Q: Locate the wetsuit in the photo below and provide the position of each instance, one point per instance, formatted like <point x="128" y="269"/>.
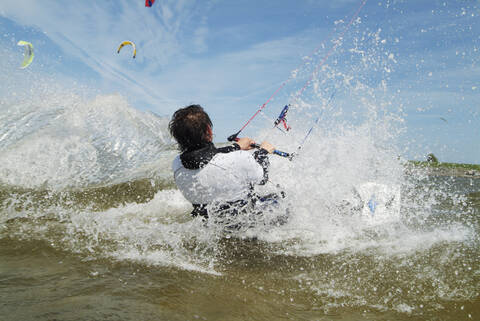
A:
<point x="220" y="177"/>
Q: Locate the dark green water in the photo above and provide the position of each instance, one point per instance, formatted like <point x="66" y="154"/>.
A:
<point x="58" y="266"/>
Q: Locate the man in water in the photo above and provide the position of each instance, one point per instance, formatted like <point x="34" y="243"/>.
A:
<point x="211" y="178"/>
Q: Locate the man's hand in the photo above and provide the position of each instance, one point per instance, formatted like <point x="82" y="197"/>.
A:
<point x="245" y="143"/>
<point x="268" y="147"/>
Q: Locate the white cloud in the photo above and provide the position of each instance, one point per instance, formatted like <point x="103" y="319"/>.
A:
<point x="168" y="38"/>
<point x="91" y="32"/>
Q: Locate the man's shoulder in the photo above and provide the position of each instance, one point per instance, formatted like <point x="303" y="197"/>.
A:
<point x="176" y="163"/>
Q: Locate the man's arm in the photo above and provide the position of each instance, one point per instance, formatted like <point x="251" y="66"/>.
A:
<point x="244" y="143"/>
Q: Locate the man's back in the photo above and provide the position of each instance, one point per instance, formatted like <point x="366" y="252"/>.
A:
<point x="226" y="177"/>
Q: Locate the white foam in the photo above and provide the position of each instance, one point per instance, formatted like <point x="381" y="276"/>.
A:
<point x="153" y="233"/>
<point x="66" y="141"/>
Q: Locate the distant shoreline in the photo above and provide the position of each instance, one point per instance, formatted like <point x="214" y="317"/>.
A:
<point x="448" y="169"/>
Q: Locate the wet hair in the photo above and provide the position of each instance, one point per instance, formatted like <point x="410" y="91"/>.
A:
<point x="189" y="126"/>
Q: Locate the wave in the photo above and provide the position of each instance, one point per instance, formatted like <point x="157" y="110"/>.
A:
<point x="62" y="141"/>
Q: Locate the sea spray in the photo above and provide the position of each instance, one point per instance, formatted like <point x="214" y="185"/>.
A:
<point x="64" y="141"/>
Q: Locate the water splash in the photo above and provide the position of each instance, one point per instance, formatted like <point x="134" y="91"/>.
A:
<point x="61" y="140"/>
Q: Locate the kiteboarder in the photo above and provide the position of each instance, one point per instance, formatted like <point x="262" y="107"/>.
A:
<point x="215" y="178"/>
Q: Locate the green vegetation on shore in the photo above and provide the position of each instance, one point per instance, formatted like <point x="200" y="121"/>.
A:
<point x="440" y="165"/>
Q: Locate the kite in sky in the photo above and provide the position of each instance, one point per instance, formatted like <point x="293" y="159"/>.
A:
<point x="128" y="43"/>
<point x="149" y="3"/>
<point x="282" y="118"/>
<point x="28" y="54"/>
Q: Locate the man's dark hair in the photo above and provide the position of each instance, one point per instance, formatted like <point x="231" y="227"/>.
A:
<point x="189" y="126"/>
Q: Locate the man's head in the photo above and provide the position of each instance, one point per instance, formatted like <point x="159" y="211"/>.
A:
<point x="191" y="127"/>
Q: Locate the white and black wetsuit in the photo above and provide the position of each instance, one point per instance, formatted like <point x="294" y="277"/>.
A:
<point x="222" y="176"/>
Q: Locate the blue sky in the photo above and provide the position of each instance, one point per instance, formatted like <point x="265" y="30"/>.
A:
<point x="231" y="56"/>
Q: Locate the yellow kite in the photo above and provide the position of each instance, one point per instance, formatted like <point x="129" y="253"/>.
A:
<point x="28" y="54"/>
<point x="128" y="43"/>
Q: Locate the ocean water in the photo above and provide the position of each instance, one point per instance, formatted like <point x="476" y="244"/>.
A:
<point x="92" y="228"/>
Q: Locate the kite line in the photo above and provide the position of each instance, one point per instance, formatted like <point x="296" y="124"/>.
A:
<point x="281" y="118"/>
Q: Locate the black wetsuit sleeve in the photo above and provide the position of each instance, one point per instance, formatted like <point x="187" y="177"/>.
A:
<point x="197" y="158"/>
<point x="228" y="149"/>
<point x="261" y="157"/>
